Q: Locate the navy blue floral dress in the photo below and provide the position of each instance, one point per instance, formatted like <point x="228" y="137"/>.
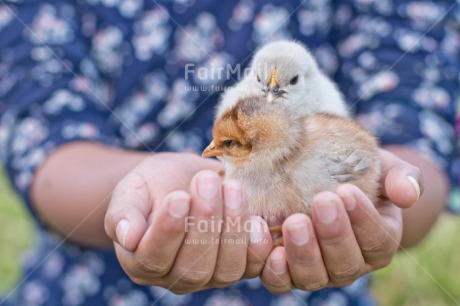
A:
<point x="114" y="72"/>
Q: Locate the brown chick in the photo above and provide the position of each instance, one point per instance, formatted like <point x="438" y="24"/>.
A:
<point x="283" y="160"/>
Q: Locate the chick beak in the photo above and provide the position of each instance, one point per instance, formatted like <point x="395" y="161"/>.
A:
<point x="273" y="89"/>
<point x="211" y="150"/>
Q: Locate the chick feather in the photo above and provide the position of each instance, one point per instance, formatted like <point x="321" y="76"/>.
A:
<point x="285" y="72"/>
<point x="283" y="160"/>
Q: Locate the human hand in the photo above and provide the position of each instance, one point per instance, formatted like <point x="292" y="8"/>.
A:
<point x="157" y="245"/>
<point x="347" y="235"/>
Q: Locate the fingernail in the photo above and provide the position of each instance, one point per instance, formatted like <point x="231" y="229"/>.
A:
<point x="350" y="202"/>
<point x="278" y="264"/>
<point x="122" y="231"/>
<point x="414" y="183"/>
<point x="298" y="233"/>
<point x="208" y="186"/>
<point x="257" y="230"/>
<point x="326" y="212"/>
<point x="232" y="195"/>
<point x="178" y="207"/>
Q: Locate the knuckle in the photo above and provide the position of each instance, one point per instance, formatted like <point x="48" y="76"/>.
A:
<point x="376" y="247"/>
<point x="253" y="271"/>
<point x="226" y="278"/>
<point x="280" y="288"/>
<point x="316" y="285"/>
<point x="195" y="279"/>
<point x="109" y="225"/>
<point x="343" y="283"/>
<point x="345" y="274"/>
<point x="180" y="290"/>
<point x="381" y="263"/>
<point x="335" y="238"/>
<point x="141" y="281"/>
<point x="172" y="227"/>
<point x="154" y="268"/>
<point x="208" y="213"/>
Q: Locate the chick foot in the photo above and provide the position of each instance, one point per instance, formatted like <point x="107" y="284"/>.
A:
<point x="351" y="167"/>
<point x="221" y="173"/>
<point x="277" y="235"/>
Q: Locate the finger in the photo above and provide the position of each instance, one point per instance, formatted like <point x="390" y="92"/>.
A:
<point x="231" y="260"/>
<point x="158" y="248"/>
<point x="303" y="253"/>
<point x="126" y="219"/>
<point x="402" y="182"/>
<point x="339" y="248"/>
<point x="260" y="246"/>
<point x="275" y="275"/>
<point x="160" y="245"/>
<point x="207" y="163"/>
<point x="196" y="260"/>
<point x="378" y="235"/>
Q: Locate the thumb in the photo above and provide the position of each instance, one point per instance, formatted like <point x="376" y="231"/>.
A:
<point x="402" y="182"/>
<point x="126" y="218"/>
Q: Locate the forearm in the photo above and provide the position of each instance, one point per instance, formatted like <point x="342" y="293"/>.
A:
<point x="72" y="189"/>
<point x="419" y="219"/>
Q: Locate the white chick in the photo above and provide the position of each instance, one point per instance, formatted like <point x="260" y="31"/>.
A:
<point x="285" y="72"/>
<point x="283" y="160"/>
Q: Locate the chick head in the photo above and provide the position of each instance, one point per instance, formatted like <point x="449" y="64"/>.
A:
<point x="282" y="68"/>
<point x="251" y="130"/>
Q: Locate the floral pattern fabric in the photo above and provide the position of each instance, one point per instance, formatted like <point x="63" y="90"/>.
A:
<point x="117" y="72"/>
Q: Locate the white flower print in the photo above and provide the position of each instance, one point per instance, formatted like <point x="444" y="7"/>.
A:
<point x="61" y="99"/>
<point x="184" y="142"/>
<point x="221" y="299"/>
<point x="28" y="133"/>
<point x="137" y="106"/>
<point x="437" y="130"/>
<point x="422" y="13"/>
<point x="242" y="13"/>
<point x="198" y="41"/>
<point x="179" y="104"/>
<point x="36" y="293"/>
<point x="314" y="16"/>
<point x="51" y="28"/>
<point x="295" y="298"/>
<point x="83" y="130"/>
<point x="431" y="97"/>
<point x="412" y="41"/>
<point x="107" y="45"/>
<point x="142" y="135"/>
<point x="5" y="16"/>
<point x="168" y="297"/>
<point x="127" y="8"/>
<point x="49" y="68"/>
<point x="271" y="24"/>
<point x="214" y="70"/>
<point x="53" y="265"/>
<point x="151" y="34"/>
<point x="355" y="43"/>
<point x="82" y="280"/>
<point x="133" y="297"/>
<point x="378" y="83"/>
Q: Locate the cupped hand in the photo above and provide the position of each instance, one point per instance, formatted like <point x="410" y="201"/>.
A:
<point x="175" y="224"/>
<point x="347" y="235"/>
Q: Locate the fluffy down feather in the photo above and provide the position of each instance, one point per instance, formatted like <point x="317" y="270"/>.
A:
<point x="283" y="160"/>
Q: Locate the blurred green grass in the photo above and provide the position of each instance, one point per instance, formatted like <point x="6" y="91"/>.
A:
<point x="16" y="234"/>
<point x="426" y="275"/>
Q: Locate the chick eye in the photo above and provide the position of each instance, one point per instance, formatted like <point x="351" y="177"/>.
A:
<point x="294" y="80"/>
<point x="229" y="143"/>
<point x="258" y="78"/>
